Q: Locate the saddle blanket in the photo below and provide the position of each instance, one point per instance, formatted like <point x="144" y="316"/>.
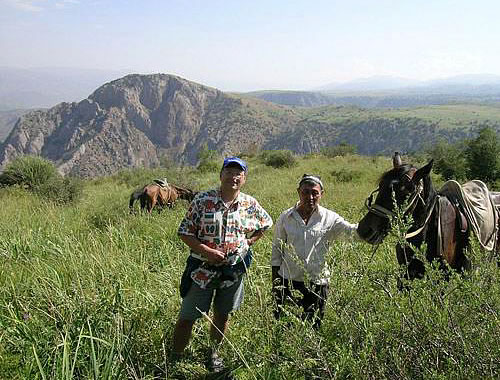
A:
<point x="474" y="198"/>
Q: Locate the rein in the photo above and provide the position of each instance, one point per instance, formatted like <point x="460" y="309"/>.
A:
<point x="412" y="202"/>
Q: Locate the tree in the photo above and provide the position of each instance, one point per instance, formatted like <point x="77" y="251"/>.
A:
<point x="482" y="156"/>
<point x="449" y="160"/>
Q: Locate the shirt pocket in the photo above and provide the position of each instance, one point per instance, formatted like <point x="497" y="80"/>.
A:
<point x="317" y="233"/>
<point x="210" y="224"/>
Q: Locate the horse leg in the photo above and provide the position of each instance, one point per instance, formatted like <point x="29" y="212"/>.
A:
<point x="131" y="204"/>
<point x="413" y="267"/>
<point x="143" y="200"/>
<point x="152" y="203"/>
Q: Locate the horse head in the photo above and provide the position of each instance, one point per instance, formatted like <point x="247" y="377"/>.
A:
<point x="402" y="186"/>
<point x="186" y="194"/>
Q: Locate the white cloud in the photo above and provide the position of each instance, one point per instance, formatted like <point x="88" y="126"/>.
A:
<point x="65" y="3"/>
<point x="37" y="5"/>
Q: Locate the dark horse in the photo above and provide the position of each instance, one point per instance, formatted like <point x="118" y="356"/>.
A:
<point x="436" y="220"/>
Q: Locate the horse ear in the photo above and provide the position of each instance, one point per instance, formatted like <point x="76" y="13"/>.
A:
<point x="424" y="171"/>
<point x="396" y="160"/>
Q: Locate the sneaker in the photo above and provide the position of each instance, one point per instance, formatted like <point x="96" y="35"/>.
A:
<point x="215" y="363"/>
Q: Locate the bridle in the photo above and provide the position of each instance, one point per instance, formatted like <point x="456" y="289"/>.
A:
<point x="414" y="198"/>
<point x="388" y="214"/>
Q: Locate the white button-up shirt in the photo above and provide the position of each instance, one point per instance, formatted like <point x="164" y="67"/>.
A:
<point x="299" y="248"/>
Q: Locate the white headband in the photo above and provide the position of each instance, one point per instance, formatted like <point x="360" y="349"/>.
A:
<point x="311" y="178"/>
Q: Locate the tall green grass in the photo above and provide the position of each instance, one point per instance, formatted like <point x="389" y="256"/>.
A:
<point x="89" y="291"/>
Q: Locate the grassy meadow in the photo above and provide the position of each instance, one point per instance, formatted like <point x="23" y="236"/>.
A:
<point x="88" y="291"/>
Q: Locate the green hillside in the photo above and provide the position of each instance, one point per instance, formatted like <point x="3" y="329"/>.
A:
<point x="90" y="291"/>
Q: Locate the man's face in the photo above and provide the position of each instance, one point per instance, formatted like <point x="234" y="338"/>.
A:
<point x="309" y="195"/>
<point x="232" y="178"/>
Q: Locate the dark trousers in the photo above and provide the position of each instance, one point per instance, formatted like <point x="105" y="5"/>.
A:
<point x="313" y="299"/>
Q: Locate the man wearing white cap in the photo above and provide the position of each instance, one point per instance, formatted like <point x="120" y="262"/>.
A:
<point x="219" y="228"/>
<point x="302" y="237"/>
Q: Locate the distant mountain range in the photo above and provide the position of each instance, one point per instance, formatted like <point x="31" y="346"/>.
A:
<point x="392" y="92"/>
<point x="46" y="87"/>
<point x="136" y="120"/>
<point x="470" y="82"/>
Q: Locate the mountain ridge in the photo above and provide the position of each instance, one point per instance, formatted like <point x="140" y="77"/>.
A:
<point x="137" y="120"/>
<point x="134" y="121"/>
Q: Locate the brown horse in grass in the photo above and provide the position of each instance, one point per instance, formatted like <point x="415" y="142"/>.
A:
<point x="437" y="221"/>
<point x="154" y="195"/>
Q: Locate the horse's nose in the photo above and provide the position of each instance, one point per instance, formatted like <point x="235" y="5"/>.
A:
<point x="367" y="233"/>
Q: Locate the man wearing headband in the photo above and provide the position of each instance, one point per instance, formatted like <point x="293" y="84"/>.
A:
<point x="219" y="228"/>
<point x="302" y="237"/>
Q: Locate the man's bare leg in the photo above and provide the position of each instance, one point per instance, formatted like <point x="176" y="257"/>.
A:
<point x="182" y="334"/>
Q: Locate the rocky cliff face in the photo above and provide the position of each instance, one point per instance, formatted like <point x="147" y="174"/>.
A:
<point x="134" y="121"/>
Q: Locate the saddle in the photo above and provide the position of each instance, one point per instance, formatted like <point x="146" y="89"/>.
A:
<point x="477" y="208"/>
<point x="162" y="182"/>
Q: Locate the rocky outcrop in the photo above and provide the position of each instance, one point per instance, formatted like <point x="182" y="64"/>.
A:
<point x="137" y="120"/>
<point x="134" y="121"/>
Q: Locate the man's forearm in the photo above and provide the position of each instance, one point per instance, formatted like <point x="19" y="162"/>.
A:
<point x="275" y="275"/>
<point x="256" y="236"/>
<point x="204" y="250"/>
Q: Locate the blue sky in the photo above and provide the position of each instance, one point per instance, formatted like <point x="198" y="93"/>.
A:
<point x="248" y="45"/>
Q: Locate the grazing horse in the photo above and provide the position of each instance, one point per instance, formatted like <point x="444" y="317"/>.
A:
<point x="437" y="221"/>
<point x="154" y="195"/>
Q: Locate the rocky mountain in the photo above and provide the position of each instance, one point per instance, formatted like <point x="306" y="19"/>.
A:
<point x="135" y="120"/>
<point x="7" y="121"/>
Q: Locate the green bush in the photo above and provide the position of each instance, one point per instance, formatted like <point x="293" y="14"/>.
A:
<point x="208" y="166"/>
<point x="40" y="176"/>
<point x="343" y="149"/>
<point x="482" y="156"/>
<point x="279" y="158"/>
<point x="29" y="172"/>
<point x="208" y="160"/>
<point x="345" y="175"/>
<point x="449" y="160"/>
<point x="61" y="190"/>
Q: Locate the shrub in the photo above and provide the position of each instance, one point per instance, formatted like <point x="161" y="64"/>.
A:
<point x="482" y="156"/>
<point x="208" y="160"/>
<point x="343" y="149"/>
<point x="40" y="176"/>
<point x="279" y="158"/>
<point x="61" y="190"/>
<point x="449" y="160"/>
<point x="208" y="166"/>
<point x="29" y="172"/>
<point x="344" y="175"/>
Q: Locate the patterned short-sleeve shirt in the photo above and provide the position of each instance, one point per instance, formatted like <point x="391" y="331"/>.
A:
<point x="222" y="227"/>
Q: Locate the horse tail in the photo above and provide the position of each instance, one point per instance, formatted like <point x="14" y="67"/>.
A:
<point x="133" y="197"/>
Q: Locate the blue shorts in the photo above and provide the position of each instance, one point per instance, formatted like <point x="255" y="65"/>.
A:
<point x="198" y="300"/>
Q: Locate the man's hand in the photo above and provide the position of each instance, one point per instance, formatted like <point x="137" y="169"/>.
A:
<point x="255" y="236"/>
<point x="214" y="256"/>
<point x="276" y="283"/>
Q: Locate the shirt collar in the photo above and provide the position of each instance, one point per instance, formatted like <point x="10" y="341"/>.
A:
<point x="318" y="210"/>
<point x="219" y="197"/>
